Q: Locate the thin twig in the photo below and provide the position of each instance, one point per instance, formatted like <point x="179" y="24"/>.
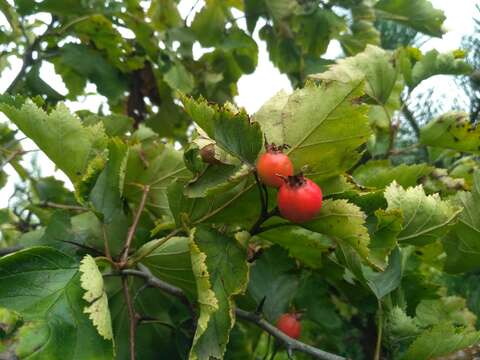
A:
<point x="290" y="344"/>
<point x="133" y="228"/>
<point x="63" y="206"/>
<point x="10" y="157"/>
<point x="132" y="315"/>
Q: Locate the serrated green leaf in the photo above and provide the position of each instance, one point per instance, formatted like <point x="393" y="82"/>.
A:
<point x="43" y="285"/>
<point x="221" y="272"/>
<point x="61" y="136"/>
<point x="399" y="325"/>
<point x="442" y="339"/>
<point x="426" y="218"/>
<point x="452" y="130"/>
<point x="231" y="129"/>
<point x="91" y="280"/>
<point x="419" y="14"/>
<point x="344" y="222"/>
<point x="380" y="173"/>
<point x="322" y="124"/>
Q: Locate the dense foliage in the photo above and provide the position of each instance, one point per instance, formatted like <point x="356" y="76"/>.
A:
<point x="170" y="247"/>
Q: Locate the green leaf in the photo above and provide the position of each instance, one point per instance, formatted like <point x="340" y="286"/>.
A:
<point x="419" y="14"/>
<point x="462" y="244"/>
<point x="374" y="65"/>
<point x="106" y="196"/>
<point x="343" y="222"/>
<point x="231" y="129"/>
<point x="442" y="339"/>
<point x="426" y="218"/>
<point x="281" y="9"/>
<point x="272" y="278"/>
<point x="451" y="309"/>
<point x="157" y="165"/>
<point x="114" y="124"/>
<point x="221" y="272"/>
<point x="171" y="263"/>
<point x="379" y="174"/>
<point x="302" y="244"/>
<point x="384" y="237"/>
<point x="452" y="130"/>
<point x="61" y="136"/>
<point x="91" y="280"/>
<point x="215" y="180"/>
<point x="434" y="63"/>
<point x="322" y="124"/>
<point x="43" y="285"/>
<point x="89" y="63"/>
<point x="209" y="24"/>
<point x="179" y="78"/>
<point x="164" y="14"/>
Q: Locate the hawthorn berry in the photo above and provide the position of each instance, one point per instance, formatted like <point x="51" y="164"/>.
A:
<point x="273" y="163"/>
<point x="289" y="324"/>
<point x="299" y="199"/>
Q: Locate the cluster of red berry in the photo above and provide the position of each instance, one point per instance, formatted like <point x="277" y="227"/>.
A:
<point x="299" y="199"/>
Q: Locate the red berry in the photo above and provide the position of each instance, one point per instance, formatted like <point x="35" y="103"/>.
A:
<point x="273" y="163"/>
<point x="299" y="199"/>
<point x="289" y="324"/>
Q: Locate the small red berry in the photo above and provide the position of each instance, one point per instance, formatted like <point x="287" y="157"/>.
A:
<point x="289" y="324"/>
<point x="299" y="199"/>
<point x="273" y="163"/>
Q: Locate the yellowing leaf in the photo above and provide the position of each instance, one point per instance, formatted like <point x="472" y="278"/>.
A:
<point x="91" y="281"/>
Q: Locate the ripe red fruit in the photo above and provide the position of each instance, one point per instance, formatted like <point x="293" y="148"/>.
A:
<point x="289" y="324"/>
<point x="273" y="163"/>
<point x="299" y="199"/>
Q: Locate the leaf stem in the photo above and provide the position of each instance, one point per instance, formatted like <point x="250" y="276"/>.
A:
<point x="378" y="346"/>
<point x="133" y="228"/>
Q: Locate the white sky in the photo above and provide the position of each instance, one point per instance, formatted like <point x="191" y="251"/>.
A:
<point x="254" y="89"/>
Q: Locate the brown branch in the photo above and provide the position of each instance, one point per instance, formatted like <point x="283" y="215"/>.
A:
<point x="289" y="343"/>
<point x="132" y="315"/>
<point x="133" y="228"/>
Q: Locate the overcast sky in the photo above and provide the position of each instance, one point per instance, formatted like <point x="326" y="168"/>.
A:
<point x="254" y="89"/>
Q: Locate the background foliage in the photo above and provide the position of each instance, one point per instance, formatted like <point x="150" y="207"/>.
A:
<point x="158" y="230"/>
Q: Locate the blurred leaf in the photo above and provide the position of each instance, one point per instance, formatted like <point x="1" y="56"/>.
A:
<point x="179" y="78"/>
<point x="442" y="339"/>
<point x="419" y="14"/>
<point x="462" y="244"/>
<point x="89" y="63"/>
<point x="452" y="130"/>
<point x="450" y="308"/>
<point x="379" y="174"/>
